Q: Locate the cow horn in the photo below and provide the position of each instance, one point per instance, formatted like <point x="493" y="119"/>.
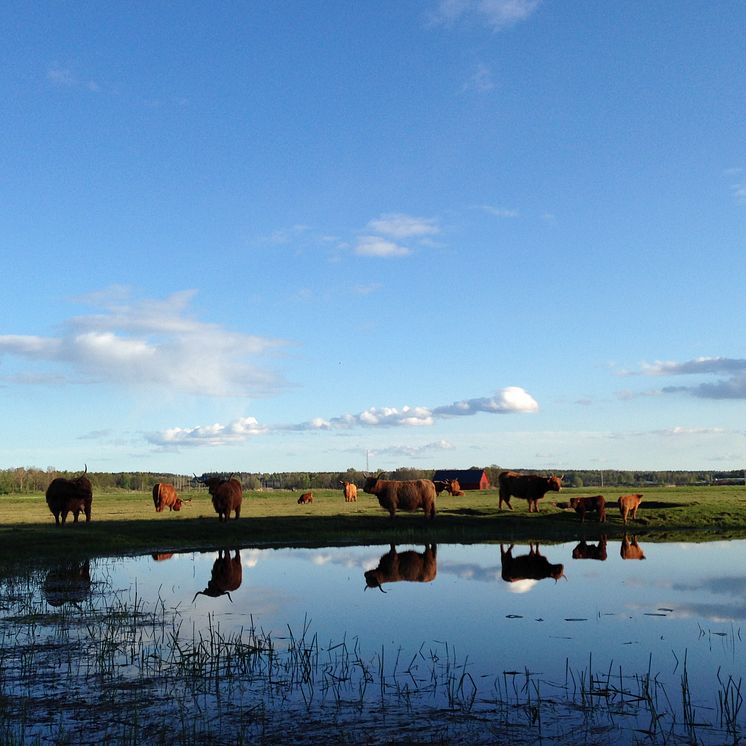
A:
<point x="85" y="471"/>
<point x="380" y="588"/>
<point x="198" y="593"/>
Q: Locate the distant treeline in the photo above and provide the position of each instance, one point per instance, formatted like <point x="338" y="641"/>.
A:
<point x="29" y="479"/>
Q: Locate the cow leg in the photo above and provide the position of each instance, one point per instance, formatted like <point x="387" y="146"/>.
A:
<point x="238" y="512"/>
<point x="57" y="518"/>
<point x="64" y="517"/>
<point x="75" y="516"/>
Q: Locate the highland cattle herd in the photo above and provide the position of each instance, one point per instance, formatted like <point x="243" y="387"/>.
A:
<point x="74" y="496"/>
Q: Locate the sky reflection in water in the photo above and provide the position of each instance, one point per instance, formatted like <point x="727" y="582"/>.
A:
<point x="681" y="600"/>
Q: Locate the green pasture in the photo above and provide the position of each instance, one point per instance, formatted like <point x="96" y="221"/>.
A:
<point x="125" y="522"/>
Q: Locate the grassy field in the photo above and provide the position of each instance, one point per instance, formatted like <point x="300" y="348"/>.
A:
<point x="126" y="522"/>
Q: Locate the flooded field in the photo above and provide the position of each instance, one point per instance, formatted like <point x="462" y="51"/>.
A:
<point x="575" y="643"/>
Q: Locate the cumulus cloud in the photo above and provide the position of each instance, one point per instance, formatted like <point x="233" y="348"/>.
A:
<point x="495" y="14"/>
<point x="512" y="399"/>
<point x="151" y="343"/>
<point x="731" y="385"/>
<point x="379" y="247"/>
<point x="382" y="237"/>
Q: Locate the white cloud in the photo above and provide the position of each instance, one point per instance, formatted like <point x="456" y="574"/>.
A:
<point x="733" y="386"/>
<point x="414" y="452"/>
<point x="499" y="212"/>
<point x="398" y="225"/>
<point x="508" y="400"/>
<point x="379" y="247"/>
<point x="495" y="14"/>
<point x="151" y="343"/>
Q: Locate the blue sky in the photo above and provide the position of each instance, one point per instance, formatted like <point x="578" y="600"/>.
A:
<point x="282" y="235"/>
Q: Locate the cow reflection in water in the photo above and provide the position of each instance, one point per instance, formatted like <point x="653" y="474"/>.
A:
<point x="68" y="584"/>
<point x="226" y="576"/>
<point x="418" y="567"/>
<point x="531" y="566"/>
<point x="160" y="556"/>
<point x="630" y="549"/>
<point x="590" y="551"/>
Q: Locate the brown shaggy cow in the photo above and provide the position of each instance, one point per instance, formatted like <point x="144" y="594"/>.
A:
<point x="530" y="487"/>
<point x="349" y="489"/>
<point x="70" y="496"/>
<point x="630" y="549"/>
<point x="226" y="576"/>
<point x="582" y="505"/>
<point x="531" y="566"/>
<point x="628" y="505"/>
<point x="409" y="495"/>
<point x="226" y="496"/>
<point x="417" y="567"/>
<point x="70" y="583"/>
<point x="306" y="497"/>
<point x="590" y="551"/>
<point x="455" y="488"/>
<point x="164" y="496"/>
<point x="161" y="556"/>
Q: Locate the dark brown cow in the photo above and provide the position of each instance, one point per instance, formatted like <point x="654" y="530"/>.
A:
<point x="349" y="489"/>
<point x="70" y="496"/>
<point x="417" y="567"/>
<point x="409" y="495"/>
<point x="306" y="497"/>
<point x="531" y="566"/>
<point x="530" y="487"/>
<point x="164" y="496"/>
<point x="630" y="549"/>
<point x="226" y="496"/>
<point x="70" y="583"/>
<point x="583" y="505"/>
<point x="590" y="551"/>
<point x="628" y="505"/>
<point x="440" y="485"/>
<point x="226" y="576"/>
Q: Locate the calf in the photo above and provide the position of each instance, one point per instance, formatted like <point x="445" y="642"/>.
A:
<point x="582" y="505"/>
<point x="349" y="490"/>
<point x="630" y="549"/>
<point x="305" y="498"/>
<point x="590" y="551"/>
<point x="628" y="505"/>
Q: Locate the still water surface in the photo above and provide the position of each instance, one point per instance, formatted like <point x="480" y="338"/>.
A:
<point x="551" y="615"/>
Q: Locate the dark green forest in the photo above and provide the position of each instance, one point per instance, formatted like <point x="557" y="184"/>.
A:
<point x="30" y="479"/>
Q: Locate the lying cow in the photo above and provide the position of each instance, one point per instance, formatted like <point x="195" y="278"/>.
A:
<point x="70" y="496"/>
<point x="454" y="487"/>
<point x="630" y="549"/>
<point x="305" y="498"/>
<point x="417" y="567"/>
<point x="530" y="487"/>
<point x="226" y="576"/>
<point x="164" y="496"/>
<point x="583" y="505"/>
<point x="590" y="551"/>
<point x="349" y="489"/>
<point x="531" y="566"/>
<point x="628" y="505"/>
<point x="408" y="495"/>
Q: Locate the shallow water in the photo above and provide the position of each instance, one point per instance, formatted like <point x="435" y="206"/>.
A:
<point x="478" y="616"/>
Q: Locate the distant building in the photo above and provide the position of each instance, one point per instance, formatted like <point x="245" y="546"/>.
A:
<point x="469" y="479"/>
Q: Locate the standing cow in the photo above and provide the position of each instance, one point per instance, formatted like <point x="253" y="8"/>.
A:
<point x="226" y="576"/>
<point x="226" y="496"/>
<point x="70" y="496"/>
<point x="408" y="495"/>
<point x="349" y="489"/>
<point x="628" y="505"/>
<point x="530" y="487"/>
<point x="531" y="566"/>
<point x="583" y="505"/>
<point x="418" y="567"/>
<point x="164" y="496"/>
<point x="630" y="549"/>
<point x="590" y="551"/>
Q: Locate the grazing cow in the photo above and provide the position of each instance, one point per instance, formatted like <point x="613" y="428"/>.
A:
<point x="226" y="496"/>
<point x="409" y="495"/>
<point x="70" y="496"/>
<point x="160" y="556"/>
<point x="306" y="497"/>
<point x="531" y="566"/>
<point x="628" y="505"/>
<point x="531" y="487"/>
<point x="70" y="583"/>
<point x="417" y="567"/>
<point x="226" y="576"/>
<point x="350" y="491"/>
<point x="582" y="505"/>
<point x="630" y="549"/>
<point x="164" y="496"/>
<point x="590" y="551"/>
